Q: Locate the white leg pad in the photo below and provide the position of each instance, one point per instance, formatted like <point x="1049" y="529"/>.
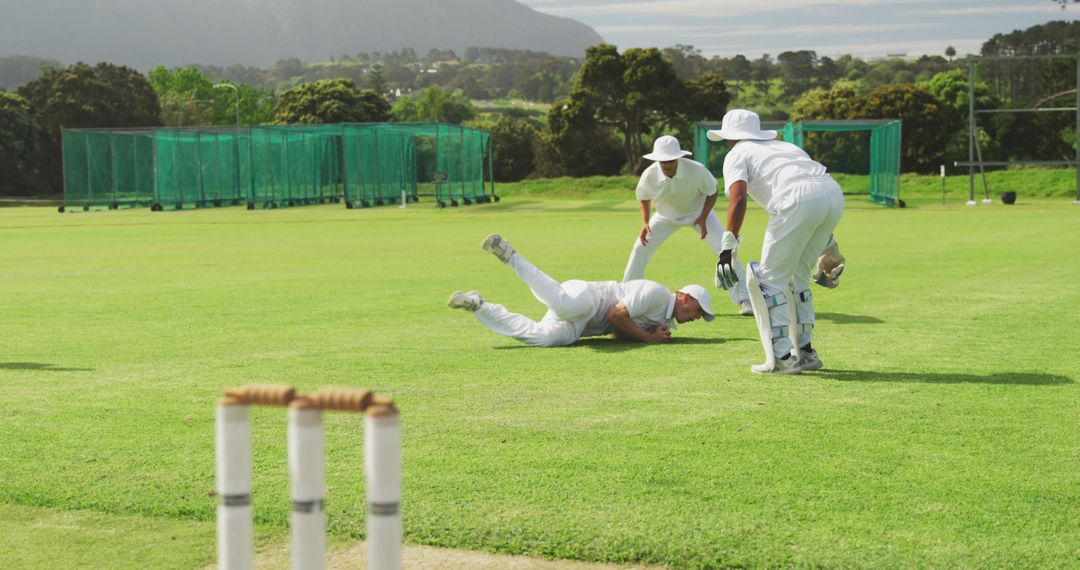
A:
<point x="761" y="315"/>
<point x="793" y="319"/>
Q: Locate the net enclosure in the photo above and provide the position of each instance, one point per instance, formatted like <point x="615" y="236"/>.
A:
<point x="868" y="147"/>
<point x="273" y="166"/>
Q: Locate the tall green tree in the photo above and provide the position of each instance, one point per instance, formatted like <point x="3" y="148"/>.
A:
<point x="81" y="96"/>
<point x="18" y="134"/>
<point x="922" y="114"/>
<point x="632" y="93"/>
<point x="513" y="141"/>
<point x="331" y="101"/>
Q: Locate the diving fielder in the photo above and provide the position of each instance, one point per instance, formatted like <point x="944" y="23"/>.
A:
<point x="804" y="206"/>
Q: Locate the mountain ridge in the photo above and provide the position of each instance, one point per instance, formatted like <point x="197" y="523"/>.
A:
<point x="147" y="33"/>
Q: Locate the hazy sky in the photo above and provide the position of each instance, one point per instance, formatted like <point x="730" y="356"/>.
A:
<point x="865" y="28"/>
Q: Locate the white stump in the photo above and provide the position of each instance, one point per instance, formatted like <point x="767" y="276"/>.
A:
<point x="382" y="466"/>
<point x="307" y="471"/>
<point x="236" y="547"/>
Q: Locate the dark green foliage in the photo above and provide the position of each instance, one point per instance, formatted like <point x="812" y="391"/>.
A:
<point x="18" y="133"/>
<point x="576" y="146"/>
<point x="81" y="96"/>
<point x="331" y="101"/>
<point x="632" y="93"/>
<point x="922" y="115"/>
<point x="434" y="105"/>
<point x="513" y="141"/>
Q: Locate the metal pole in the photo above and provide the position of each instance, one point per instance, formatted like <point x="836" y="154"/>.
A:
<point x="971" y="132"/>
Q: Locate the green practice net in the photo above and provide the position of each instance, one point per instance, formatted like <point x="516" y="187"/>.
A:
<point x="108" y="170"/>
<point x="276" y="166"/>
<point x="864" y="147"/>
<point x="388" y="162"/>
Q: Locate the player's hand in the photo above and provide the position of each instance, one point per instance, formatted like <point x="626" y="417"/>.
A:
<point x="726" y="277"/>
<point x="658" y="334"/>
<point x="644" y="232"/>
<point x="700" y="223"/>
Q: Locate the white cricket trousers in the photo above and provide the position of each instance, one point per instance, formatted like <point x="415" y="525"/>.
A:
<point x="570" y="306"/>
<point x="661" y="228"/>
<point x="794" y="239"/>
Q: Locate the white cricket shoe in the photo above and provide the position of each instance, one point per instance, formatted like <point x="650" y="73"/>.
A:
<point x="787" y="365"/>
<point x="808" y="360"/>
<point x="745" y="308"/>
<point x="499" y="247"/>
<point x="470" y="301"/>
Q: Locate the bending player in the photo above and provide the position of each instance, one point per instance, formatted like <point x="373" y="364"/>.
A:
<point x="804" y="205"/>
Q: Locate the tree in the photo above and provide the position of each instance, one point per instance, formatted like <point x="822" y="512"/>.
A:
<point x="331" y="101"/>
<point x="796" y="71"/>
<point x="950" y="52"/>
<point x="80" y="96"/>
<point x="951" y="88"/>
<point x="376" y="79"/>
<point x="575" y="145"/>
<point x="434" y="105"/>
<point x="632" y="93"/>
<point x="513" y="140"/>
<point x="922" y="114"/>
<point x="18" y="133"/>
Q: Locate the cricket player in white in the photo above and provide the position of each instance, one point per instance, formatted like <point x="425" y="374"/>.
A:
<point x="642" y="310"/>
<point x="804" y="205"/>
<point x="684" y="192"/>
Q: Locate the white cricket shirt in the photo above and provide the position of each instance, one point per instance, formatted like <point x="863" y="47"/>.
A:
<point x="648" y="303"/>
<point x="680" y="196"/>
<point x="768" y="167"/>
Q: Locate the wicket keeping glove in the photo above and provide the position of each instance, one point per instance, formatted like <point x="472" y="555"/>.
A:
<point x="725" y="267"/>
<point x="829" y="266"/>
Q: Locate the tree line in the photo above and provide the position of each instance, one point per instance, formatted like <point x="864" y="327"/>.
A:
<point x="604" y="111"/>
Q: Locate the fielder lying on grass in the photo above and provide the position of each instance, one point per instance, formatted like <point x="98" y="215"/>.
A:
<point x="640" y="309"/>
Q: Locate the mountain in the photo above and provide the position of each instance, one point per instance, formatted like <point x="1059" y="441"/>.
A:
<point x="146" y="33"/>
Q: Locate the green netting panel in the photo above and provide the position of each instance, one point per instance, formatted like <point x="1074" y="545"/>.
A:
<point x="383" y="161"/>
<point x="199" y="167"/>
<point x="292" y="166"/>
<point x="869" y="147"/>
<point x="111" y="169"/>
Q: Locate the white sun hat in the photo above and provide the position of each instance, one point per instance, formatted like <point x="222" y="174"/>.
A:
<point x="703" y="298"/>
<point x="666" y="148"/>
<point x="741" y="125"/>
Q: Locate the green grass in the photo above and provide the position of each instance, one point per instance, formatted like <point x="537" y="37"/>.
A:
<point x="943" y="433"/>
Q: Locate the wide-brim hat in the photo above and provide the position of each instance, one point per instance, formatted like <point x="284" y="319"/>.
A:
<point x="666" y="148"/>
<point x="703" y="298"/>
<point x="741" y="125"/>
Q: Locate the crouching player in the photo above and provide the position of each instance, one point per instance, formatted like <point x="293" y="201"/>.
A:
<point x="804" y="205"/>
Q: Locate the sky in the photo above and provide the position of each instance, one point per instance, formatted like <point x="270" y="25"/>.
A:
<point x="863" y="28"/>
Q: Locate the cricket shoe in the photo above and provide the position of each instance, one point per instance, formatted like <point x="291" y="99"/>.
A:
<point x="499" y="247"/>
<point x="808" y="360"/>
<point x="745" y="308"/>
<point x="786" y="365"/>
<point x="470" y="301"/>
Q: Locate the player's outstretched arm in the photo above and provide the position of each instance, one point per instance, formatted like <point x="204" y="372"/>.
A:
<point x="625" y="327"/>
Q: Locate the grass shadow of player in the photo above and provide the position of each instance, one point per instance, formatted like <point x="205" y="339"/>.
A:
<point x="39" y="366"/>
<point x="841" y="318"/>
<point x="1021" y="378"/>
<point x="607" y="344"/>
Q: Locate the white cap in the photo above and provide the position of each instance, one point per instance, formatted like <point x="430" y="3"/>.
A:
<point x="666" y="148"/>
<point x="741" y="125"/>
<point x="702" y="297"/>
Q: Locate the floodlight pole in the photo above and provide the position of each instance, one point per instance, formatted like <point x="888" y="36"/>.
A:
<point x="236" y="137"/>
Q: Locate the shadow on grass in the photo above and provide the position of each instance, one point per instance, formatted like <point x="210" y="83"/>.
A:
<point x="39" y="366"/>
<point x="841" y="318"/>
<point x="611" y="345"/>
<point x="1023" y="378"/>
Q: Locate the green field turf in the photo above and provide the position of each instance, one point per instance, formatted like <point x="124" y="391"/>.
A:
<point x="944" y="431"/>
